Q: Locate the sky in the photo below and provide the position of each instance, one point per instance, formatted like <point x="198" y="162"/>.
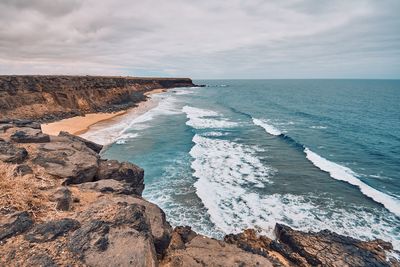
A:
<point x="208" y="39"/>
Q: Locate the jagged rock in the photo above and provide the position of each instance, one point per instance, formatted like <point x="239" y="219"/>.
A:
<point x="41" y="260"/>
<point x="30" y="135"/>
<point x="122" y="171"/>
<point x="63" y="197"/>
<point x="14" y="224"/>
<point x="72" y="161"/>
<point x="326" y="248"/>
<point x="109" y="186"/>
<point x="93" y="146"/>
<point x="204" y="251"/>
<point x="51" y="230"/>
<point x="114" y="228"/>
<point x="249" y="240"/>
<point x="159" y="228"/>
<point x="23" y="170"/>
<point x="12" y="154"/>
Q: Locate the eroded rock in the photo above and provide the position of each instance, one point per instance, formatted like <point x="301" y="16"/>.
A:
<point x="11" y="154"/>
<point x="49" y="231"/>
<point x="63" y="198"/>
<point x="122" y="171"/>
<point x="14" y="224"/>
<point x="204" y="251"/>
<point x="29" y="135"/>
<point x="93" y="146"/>
<point x="72" y="161"/>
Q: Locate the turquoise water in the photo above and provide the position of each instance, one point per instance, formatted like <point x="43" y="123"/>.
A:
<point x="313" y="154"/>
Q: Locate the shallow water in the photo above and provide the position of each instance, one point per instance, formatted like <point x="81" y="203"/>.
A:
<point x="313" y="154"/>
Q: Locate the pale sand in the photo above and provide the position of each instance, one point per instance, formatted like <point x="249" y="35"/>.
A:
<point x="80" y="124"/>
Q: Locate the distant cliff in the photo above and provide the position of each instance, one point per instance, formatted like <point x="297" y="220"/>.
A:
<point x="54" y="97"/>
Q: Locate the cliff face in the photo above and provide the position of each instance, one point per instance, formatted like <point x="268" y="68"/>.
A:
<point x="55" y="97"/>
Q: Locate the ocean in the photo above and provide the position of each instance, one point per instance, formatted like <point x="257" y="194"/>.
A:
<point x="312" y="154"/>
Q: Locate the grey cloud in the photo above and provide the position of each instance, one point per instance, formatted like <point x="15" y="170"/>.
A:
<point x="202" y="39"/>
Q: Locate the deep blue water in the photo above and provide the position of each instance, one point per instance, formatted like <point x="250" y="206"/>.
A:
<point x="313" y="154"/>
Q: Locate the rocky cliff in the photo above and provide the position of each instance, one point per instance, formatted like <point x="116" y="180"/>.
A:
<point x="54" y="97"/>
<point x="62" y="205"/>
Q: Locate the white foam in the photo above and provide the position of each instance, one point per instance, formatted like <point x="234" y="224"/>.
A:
<point x="318" y="127"/>
<point x="228" y="175"/>
<point x="125" y="137"/>
<point x="342" y="173"/>
<point x="267" y="127"/>
<point x="108" y="133"/>
<point x="203" y="119"/>
<point x="220" y="165"/>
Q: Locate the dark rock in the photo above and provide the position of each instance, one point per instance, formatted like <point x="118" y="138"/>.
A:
<point x="63" y="197"/>
<point x="41" y="260"/>
<point x="249" y="241"/>
<point x="15" y="224"/>
<point x="72" y="161"/>
<point x="11" y="154"/>
<point x="124" y="171"/>
<point x="93" y="146"/>
<point x="6" y="121"/>
<point x="186" y="233"/>
<point x="49" y="231"/>
<point x="27" y="123"/>
<point x="23" y="170"/>
<point x="330" y="249"/>
<point x="30" y="135"/>
<point x="109" y="186"/>
<point x="91" y="235"/>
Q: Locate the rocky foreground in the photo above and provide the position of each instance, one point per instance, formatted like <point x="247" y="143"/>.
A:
<point x="62" y="205"/>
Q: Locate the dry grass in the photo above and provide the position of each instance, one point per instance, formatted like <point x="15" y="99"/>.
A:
<point x="22" y="193"/>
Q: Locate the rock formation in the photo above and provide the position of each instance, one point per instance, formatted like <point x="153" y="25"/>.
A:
<point x="62" y="205"/>
<point x="54" y="97"/>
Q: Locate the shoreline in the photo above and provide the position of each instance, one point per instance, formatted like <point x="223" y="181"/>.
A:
<point x="79" y="125"/>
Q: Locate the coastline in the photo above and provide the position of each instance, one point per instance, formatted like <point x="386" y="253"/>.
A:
<point x="79" y="125"/>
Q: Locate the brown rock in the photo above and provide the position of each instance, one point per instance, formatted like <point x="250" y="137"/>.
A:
<point x="14" y="224"/>
<point x="326" y="248"/>
<point x="204" y="251"/>
<point x="11" y="154"/>
<point x="72" y="161"/>
<point x="122" y="171"/>
<point x="29" y="135"/>
<point x="63" y="197"/>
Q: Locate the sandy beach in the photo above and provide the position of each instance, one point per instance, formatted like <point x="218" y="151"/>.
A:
<point x="81" y="124"/>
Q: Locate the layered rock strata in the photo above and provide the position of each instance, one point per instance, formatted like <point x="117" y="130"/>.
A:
<point x="54" y="97"/>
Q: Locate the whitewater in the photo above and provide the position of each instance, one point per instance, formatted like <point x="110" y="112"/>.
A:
<point x="222" y="161"/>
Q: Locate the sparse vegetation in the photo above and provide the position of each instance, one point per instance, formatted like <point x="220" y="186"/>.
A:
<point x="21" y="193"/>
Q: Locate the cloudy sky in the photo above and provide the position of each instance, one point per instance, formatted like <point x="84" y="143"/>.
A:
<point x="202" y="39"/>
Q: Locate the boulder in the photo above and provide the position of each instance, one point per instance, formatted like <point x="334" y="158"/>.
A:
<point x="11" y="154"/>
<point x="204" y="251"/>
<point x="326" y="248"/>
<point x="113" y="228"/>
<point x="109" y="186"/>
<point x="51" y="230"/>
<point x="14" y="224"/>
<point x="71" y="161"/>
<point x="93" y="146"/>
<point x="29" y="135"/>
<point x="63" y="198"/>
<point x="122" y="171"/>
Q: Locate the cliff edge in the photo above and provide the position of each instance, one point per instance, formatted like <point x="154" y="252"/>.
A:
<point x="49" y="98"/>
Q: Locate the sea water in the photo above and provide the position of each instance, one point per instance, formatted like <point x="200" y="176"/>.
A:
<point x="312" y="154"/>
